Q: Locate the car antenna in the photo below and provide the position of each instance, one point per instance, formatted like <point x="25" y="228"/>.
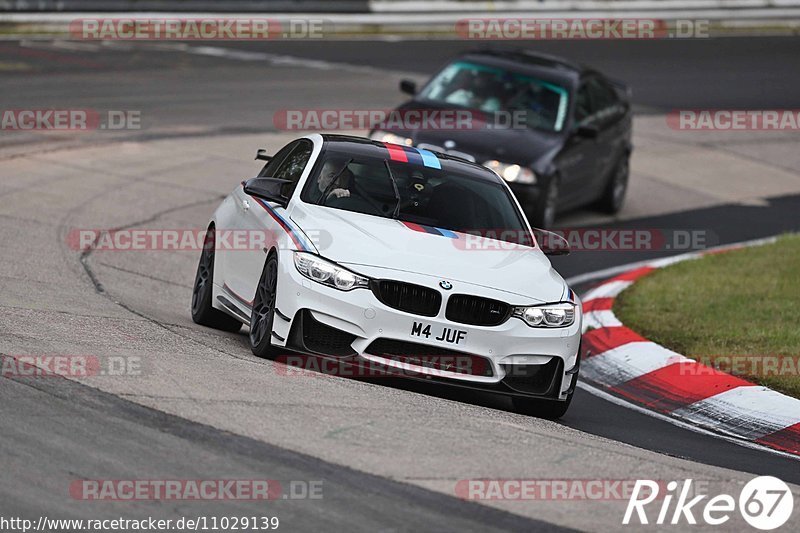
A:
<point x="396" y="212"/>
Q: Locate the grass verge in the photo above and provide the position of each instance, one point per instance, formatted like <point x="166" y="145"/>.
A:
<point x="737" y="311"/>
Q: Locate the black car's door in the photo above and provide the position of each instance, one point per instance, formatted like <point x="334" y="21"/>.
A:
<point x="578" y="159"/>
<point x="611" y="119"/>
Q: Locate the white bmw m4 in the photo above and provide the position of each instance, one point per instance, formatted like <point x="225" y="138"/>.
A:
<point x="373" y="253"/>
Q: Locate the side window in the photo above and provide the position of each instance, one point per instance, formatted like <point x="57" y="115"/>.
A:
<point x="605" y="101"/>
<point x="291" y="168"/>
<point x="583" y="104"/>
<point x="272" y="166"/>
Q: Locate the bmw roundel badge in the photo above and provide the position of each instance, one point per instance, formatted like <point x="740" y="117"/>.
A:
<point x="446" y="285"/>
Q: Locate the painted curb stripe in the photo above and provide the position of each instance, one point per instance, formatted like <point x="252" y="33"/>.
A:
<point x="786" y="440"/>
<point x="601" y="340"/>
<point x="608" y="290"/>
<point x="629" y="361"/>
<point x="678" y="385"/>
<point x="634" y="274"/>
<point x="748" y="412"/>
<point x="664" y="381"/>
<point x="600" y="319"/>
<point x="598" y="304"/>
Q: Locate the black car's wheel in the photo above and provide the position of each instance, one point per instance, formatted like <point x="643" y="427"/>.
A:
<point x="202" y="311"/>
<point x="614" y="194"/>
<point x="264" y="310"/>
<point x="549" y="409"/>
<point x="545" y="214"/>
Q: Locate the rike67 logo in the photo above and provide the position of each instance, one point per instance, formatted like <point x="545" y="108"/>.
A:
<point x="766" y="503"/>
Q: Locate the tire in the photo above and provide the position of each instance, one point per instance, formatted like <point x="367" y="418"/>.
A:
<point x="202" y="311"/>
<point x="545" y="214"/>
<point x="549" y="409"/>
<point x="263" y="314"/>
<point x="614" y="194"/>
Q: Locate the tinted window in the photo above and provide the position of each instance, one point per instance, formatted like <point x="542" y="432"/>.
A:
<point x="583" y="104"/>
<point x="495" y="90"/>
<point x="603" y="96"/>
<point x="291" y="168"/>
<point x="271" y="167"/>
<point x="452" y="197"/>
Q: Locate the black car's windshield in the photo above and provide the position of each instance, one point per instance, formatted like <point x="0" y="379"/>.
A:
<point x="454" y="197"/>
<point x="541" y="105"/>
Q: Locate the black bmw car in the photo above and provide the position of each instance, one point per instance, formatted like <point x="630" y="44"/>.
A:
<point x="557" y="132"/>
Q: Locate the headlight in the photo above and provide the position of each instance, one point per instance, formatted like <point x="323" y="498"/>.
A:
<point x="558" y="315"/>
<point x="322" y="271"/>
<point x="511" y="173"/>
<point x="387" y="137"/>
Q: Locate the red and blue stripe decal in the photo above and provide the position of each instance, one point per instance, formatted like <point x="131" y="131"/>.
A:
<point x="430" y="229"/>
<point x="411" y="155"/>
<point x="300" y="240"/>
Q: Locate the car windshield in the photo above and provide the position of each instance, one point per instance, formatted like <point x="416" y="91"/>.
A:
<point x="454" y="197"/>
<point x="540" y="104"/>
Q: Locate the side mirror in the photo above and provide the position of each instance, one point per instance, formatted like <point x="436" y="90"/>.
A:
<point x="587" y="131"/>
<point x="551" y="243"/>
<point x="268" y="189"/>
<point x="261" y="155"/>
<point x="408" y="87"/>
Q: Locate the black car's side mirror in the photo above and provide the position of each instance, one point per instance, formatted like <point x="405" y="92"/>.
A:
<point x="408" y="87"/>
<point x="268" y="189"/>
<point x="587" y="131"/>
<point x="261" y="155"/>
<point x="551" y="243"/>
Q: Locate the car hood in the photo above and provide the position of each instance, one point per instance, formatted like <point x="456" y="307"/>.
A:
<point x="355" y="239"/>
<point x="524" y="146"/>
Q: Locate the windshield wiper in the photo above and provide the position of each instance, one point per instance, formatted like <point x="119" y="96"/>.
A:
<point x="396" y="212"/>
<point x="328" y="189"/>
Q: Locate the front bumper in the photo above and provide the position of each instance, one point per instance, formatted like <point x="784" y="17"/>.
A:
<point x="511" y="358"/>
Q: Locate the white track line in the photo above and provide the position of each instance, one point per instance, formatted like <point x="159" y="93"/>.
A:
<point x="664" y="418"/>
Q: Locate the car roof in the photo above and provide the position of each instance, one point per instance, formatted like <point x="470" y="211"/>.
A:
<point x="371" y="148"/>
<point x="548" y="67"/>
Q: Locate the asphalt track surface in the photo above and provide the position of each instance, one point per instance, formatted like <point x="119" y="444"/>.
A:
<point x="59" y="431"/>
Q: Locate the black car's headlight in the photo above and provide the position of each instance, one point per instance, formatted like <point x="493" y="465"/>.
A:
<point x="512" y="173"/>
<point x="558" y="315"/>
<point x="328" y="273"/>
<point x="392" y="138"/>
